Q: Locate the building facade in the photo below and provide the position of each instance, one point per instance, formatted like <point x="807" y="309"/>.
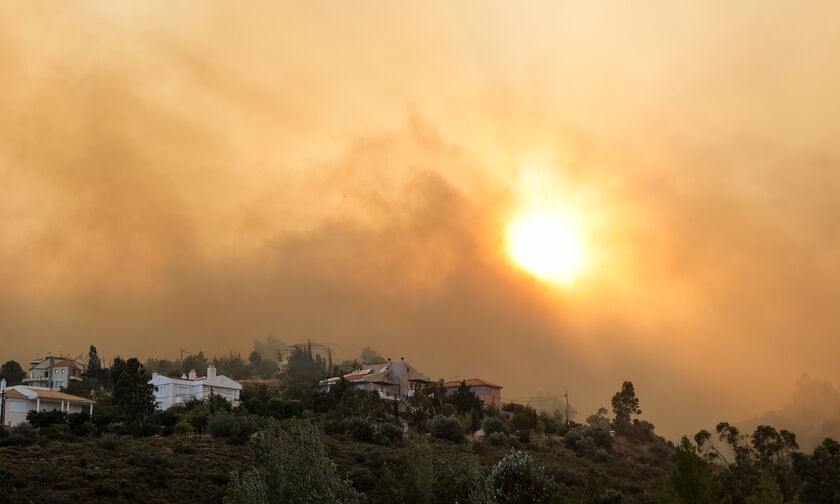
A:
<point x="489" y="393"/>
<point x="171" y="391"/>
<point x="393" y="381"/>
<point x="53" y="373"/>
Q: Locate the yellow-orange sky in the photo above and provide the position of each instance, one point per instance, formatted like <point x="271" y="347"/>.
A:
<point x="196" y="175"/>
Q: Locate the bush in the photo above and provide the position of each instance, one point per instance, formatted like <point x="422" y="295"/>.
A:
<point x="498" y="439"/>
<point x="184" y="447"/>
<point x="80" y="424"/>
<point x="494" y="424"/>
<point x="363" y="479"/>
<point x="602" y="438"/>
<point x="108" y="442"/>
<point x="361" y="430"/>
<point x="274" y="408"/>
<point x="183" y="428"/>
<point x="573" y="436"/>
<point x="601" y="455"/>
<point x="197" y="415"/>
<point x="22" y="434"/>
<point x="518" y="478"/>
<point x="447" y="427"/>
<point x="290" y="467"/>
<point x="391" y="432"/>
<point x="41" y="419"/>
<point x="225" y="424"/>
<point x="457" y="479"/>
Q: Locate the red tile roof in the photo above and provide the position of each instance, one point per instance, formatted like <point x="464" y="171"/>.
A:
<point x="67" y="363"/>
<point x="472" y="382"/>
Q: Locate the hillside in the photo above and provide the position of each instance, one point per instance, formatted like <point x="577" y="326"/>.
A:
<point x="195" y="469"/>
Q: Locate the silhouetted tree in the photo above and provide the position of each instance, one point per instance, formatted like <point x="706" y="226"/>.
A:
<point x="133" y="395"/>
<point x="12" y="373"/>
<point x="94" y="365"/>
<point x="693" y="479"/>
<point x="465" y="400"/>
<point x="624" y="405"/>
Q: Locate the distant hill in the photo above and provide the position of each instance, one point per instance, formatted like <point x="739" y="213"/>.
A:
<point x="813" y="413"/>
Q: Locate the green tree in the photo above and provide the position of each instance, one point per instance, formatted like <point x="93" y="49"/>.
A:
<point x="767" y="491"/>
<point x="624" y="405"/>
<point x="411" y="480"/>
<point x="693" y="478"/>
<point x="197" y="362"/>
<point x="820" y="472"/>
<point x="518" y="479"/>
<point x="255" y="359"/>
<point x="599" y="420"/>
<point x="290" y="468"/>
<point x="12" y="373"/>
<point x="133" y="394"/>
<point x="465" y="400"/>
<point x="94" y="365"/>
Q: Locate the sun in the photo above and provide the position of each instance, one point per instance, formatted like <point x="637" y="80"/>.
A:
<point x="548" y="245"/>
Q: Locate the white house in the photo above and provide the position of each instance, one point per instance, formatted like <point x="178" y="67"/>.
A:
<point x="21" y="399"/>
<point x="172" y="391"/>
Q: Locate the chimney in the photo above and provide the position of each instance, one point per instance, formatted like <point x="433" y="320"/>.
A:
<point x="2" y="385"/>
<point x="154" y="375"/>
<point x="211" y="371"/>
<point x="193" y="376"/>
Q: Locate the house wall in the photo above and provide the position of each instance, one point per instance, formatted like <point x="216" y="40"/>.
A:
<point x="489" y="395"/>
<point x="175" y="392"/>
<point x="16" y="409"/>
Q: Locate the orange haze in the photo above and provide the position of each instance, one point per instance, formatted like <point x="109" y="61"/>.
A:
<point x="197" y="175"/>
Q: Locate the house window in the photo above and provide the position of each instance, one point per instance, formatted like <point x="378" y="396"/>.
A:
<point x="63" y="370"/>
<point x="17" y="407"/>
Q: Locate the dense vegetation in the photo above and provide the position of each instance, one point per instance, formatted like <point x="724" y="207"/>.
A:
<point x="292" y="441"/>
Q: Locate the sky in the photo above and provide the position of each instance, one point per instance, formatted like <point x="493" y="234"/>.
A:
<point x="196" y="175"/>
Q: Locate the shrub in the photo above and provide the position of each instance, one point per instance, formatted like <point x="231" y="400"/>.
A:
<point x="391" y="432"/>
<point x="457" y="479"/>
<point x="334" y="426"/>
<point x="494" y="424"/>
<point x="183" y="428"/>
<point x="363" y="479"/>
<point x="184" y="447"/>
<point x="585" y="446"/>
<point x="108" y="442"/>
<point x="361" y="430"/>
<point x="601" y="455"/>
<point x="447" y="427"/>
<point x="291" y="467"/>
<point x="498" y="439"/>
<point x="573" y="436"/>
<point x="22" y="434"/>
<point x="274" y="408"/>
<point x="197" y="415"/>
<point x="602" y="438"/>
<point x="225" y="424"/>
<point x="40" y="419"/>
<point x="80" y="424"/>
<point x="518" y="478"/>
<point x="55" y="432"/>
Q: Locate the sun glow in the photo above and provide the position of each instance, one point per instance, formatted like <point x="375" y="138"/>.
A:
<point x="548" y="245"/>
